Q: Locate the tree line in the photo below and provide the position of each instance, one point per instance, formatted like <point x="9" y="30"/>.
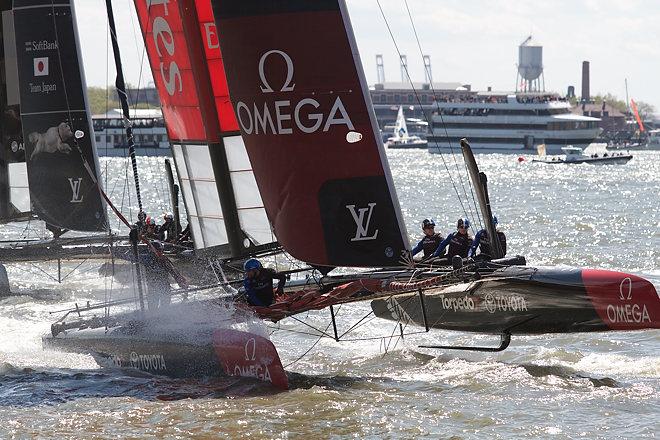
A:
<point x="102" y="99"/>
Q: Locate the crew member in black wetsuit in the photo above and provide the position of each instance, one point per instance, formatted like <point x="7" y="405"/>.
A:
<point x="459" y="241"/>
<point x="258" y="283"/>
<point x="482" y="241"/>
<point x="157" y="276"/>
<point x="430" y="242"/>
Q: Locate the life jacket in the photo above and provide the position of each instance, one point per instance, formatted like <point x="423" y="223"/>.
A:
<point x="459" y="245"/>
<point x="261" y="287"/>
<point x="431" y="243"/>
<point x="484" y="243"/>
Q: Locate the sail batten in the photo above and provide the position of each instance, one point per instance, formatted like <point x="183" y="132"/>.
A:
<point x="302" y="103"/>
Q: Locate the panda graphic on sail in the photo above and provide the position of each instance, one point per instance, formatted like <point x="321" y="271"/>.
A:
<point x="401" y="138"/>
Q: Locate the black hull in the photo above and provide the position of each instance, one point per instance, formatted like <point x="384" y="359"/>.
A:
<point x="526" y="301"/>
<point x="182" y="340"/>
<point x="119" y="348"/>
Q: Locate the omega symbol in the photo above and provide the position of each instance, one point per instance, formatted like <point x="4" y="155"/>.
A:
<point x="250" y="356"/>
<point x="625" y="289"/>
<point x="265" y="86"/>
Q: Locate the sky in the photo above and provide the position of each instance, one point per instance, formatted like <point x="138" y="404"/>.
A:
<point x="470" y="41"/>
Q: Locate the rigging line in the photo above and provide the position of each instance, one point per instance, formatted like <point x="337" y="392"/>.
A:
<point x="359" y="323"/>
<point x="123" y="98"/>
<point x="323" y="333"/>
<point x="107" y="99"/>
<point x="315" y="342"/>
<point x="419" y="102"/>
<point x="43" y="271"/>
<point x="442" y="121"/>
<point x="74" y="269"/>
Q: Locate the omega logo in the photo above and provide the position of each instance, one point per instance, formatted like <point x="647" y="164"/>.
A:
<point x="284" y="117"/>
<point x="625" y="289"/>
<point x="250" y="346"/>
<point x="287" y="87"/>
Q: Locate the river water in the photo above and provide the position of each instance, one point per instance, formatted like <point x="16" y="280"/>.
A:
<point x="601" y="385"/>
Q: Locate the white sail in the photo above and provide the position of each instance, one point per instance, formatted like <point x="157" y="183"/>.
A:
<point x="400" y="129"/>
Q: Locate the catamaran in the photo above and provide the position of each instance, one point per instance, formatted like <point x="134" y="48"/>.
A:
<point x="280" y="143"/>
<point x="401" y="138"/>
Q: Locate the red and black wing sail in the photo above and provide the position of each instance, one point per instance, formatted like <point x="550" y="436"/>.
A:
<point x="225" y="210"/>
<point x="302" y="103"/>
<point x="53" y="107"/>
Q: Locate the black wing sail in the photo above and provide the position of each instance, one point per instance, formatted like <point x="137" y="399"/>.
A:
<point x="53" y="107"/>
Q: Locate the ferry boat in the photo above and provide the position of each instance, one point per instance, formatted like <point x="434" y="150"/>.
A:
<point x="509" y="122"/>
<point x="149" y="133"/>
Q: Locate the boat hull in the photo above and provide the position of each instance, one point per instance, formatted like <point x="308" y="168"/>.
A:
<point x="175" y="343"/>
<point x="617" y="159"/>
<point x="527" y="300"/>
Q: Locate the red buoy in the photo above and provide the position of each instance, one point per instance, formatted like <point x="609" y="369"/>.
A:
<point x="521" y="159"/>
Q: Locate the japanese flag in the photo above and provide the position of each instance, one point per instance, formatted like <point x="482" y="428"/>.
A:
<point x="41" y="66"/>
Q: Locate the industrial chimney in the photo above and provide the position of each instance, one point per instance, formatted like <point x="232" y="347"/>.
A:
<point x="586" y="96"/>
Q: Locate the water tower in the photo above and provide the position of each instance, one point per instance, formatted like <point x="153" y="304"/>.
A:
<point x="530" y="67"/>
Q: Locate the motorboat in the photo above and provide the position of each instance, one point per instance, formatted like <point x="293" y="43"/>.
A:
<point x="575" y="155"/>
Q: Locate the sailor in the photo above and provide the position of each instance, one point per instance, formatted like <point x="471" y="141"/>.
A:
<point x="430" y="241"/>
<point x="258" y="283"/>
<point x="167" y="232"/>
<point x="482" y="241"/>
<point x="459" y="241"/>
<point x="184" y="236"/>
<point x="142" y="221"/>
<point x="150" y="230"/>
<point x="157" y="277"/>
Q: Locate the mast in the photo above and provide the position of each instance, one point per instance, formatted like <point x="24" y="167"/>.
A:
<point x="174" y="195"/>
<point x="479" y="181"/>
<point x="123" y="99"/>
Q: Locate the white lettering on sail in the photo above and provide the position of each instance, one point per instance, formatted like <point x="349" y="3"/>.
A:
<point x="164" y="39"/>
<point x="287" y="87"/>
<point x="283" y="117"/>
<point x="211" y="36"/>
<point x="316" y="117"/>
<point x="338" y="107"/>
<point x="362" y="230"/>
<point x="75" y="189"/>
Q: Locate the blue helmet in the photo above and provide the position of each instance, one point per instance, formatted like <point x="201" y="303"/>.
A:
<point x="251" y="264"/>
<point x="495" y="220"/>
<point x="463" y="222"/>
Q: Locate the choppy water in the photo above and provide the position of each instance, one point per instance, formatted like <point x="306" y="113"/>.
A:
<point x="600" y="385"/>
